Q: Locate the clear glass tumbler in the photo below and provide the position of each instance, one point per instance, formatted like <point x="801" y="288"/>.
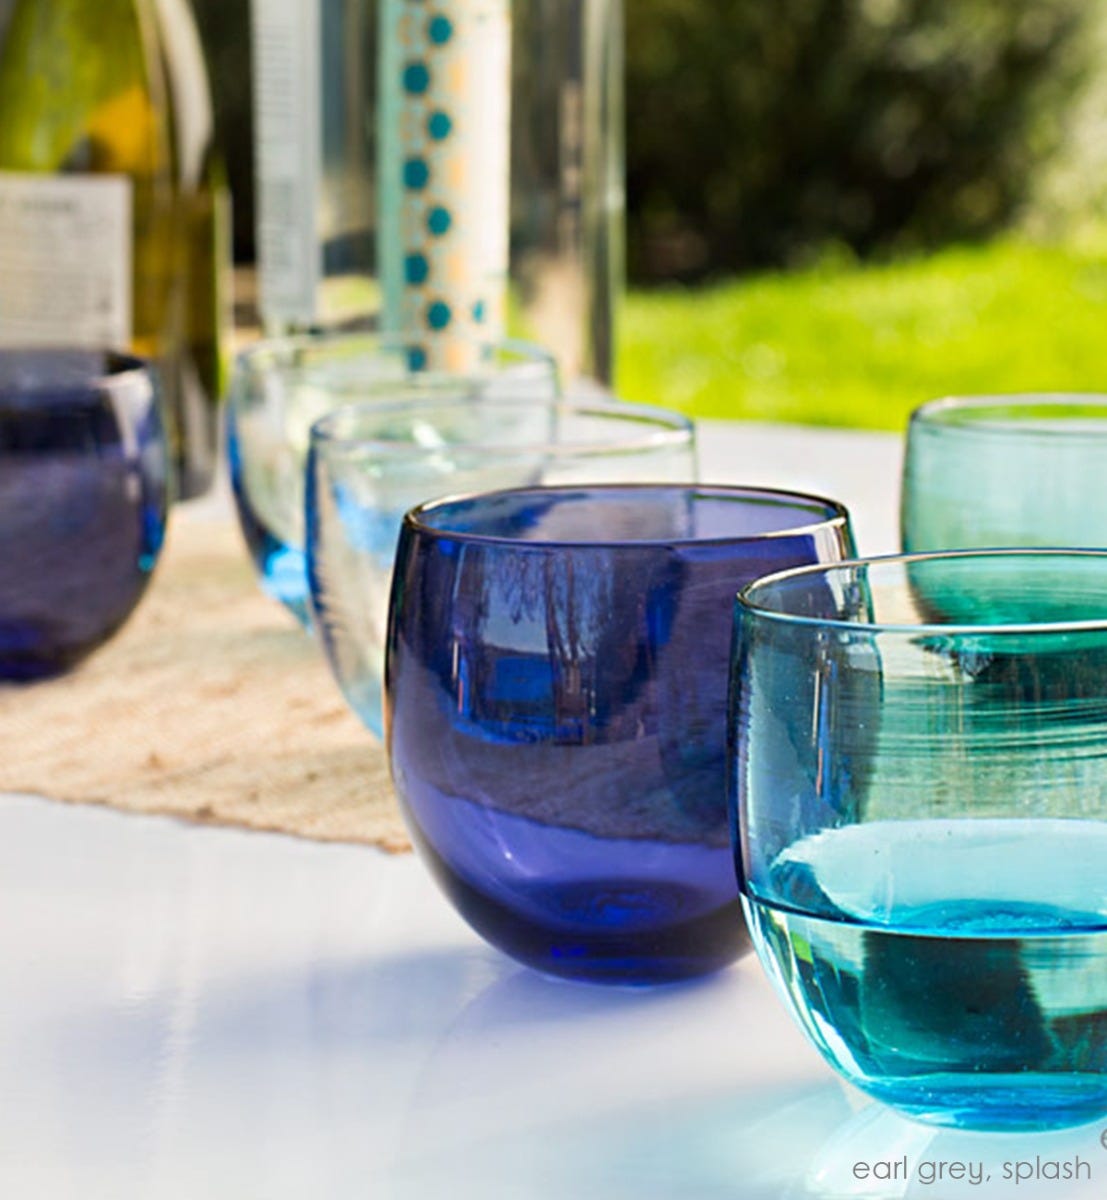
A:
<point x="919" y="788"/>
<point x="370" y="464"/>
<point x="1023" y="470"/>
<point x="282" y="387"/>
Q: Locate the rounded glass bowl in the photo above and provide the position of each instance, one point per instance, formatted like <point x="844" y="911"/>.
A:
<point x="369" y="464"/>
<point x="1022" y="470"/>
<point x="281" y="387"/>
<point x="919" y="786"/>
<point x="556" y="700"/>
<point x="83" y="479"/>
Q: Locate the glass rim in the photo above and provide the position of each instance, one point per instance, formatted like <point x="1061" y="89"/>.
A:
<point x="658" y="427"/>
<point x="836" y="515"/>
<point x="968" y="413"/>
<point x="265" y="354"/>
<point x="117" y="369"/>
<point x="746" y="598"/>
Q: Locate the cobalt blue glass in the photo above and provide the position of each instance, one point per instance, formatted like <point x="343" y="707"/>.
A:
<point x="83" y="479"/>
<point x="556" y="688"/>
<point x="919" y="790"/>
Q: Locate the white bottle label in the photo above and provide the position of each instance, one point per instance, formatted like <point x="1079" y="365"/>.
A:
<point x="286" y="37"/>
<point x="66" y="260"/>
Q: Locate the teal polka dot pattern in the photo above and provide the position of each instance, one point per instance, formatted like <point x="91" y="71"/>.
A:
<point x="439" y="125"/>
<point x="416" y="78"/>
<point x="440" y="30"/>
<point x="416" y="174"/>
<point x="439" y="315"/>
<point x="439" y="221"/>
<point x="416" y="269"/>
<point x="444" y="236"/>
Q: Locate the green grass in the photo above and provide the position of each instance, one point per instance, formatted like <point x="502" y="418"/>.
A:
<point x="863" y="345"/>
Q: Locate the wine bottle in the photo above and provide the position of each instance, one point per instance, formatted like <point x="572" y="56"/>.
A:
<point x="203" y="242"/>
<point x="93" y="229"/>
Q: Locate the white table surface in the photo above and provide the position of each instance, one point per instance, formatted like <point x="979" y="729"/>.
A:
<point x="189" y="1013"/>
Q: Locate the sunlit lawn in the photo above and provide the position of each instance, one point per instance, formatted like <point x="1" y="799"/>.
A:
<point x="862" y="345"/>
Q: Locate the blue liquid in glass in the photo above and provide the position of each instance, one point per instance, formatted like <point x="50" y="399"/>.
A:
<point x="954" y="969"/>
<point x="82" y="507"/>
<point x="281" y="566"/>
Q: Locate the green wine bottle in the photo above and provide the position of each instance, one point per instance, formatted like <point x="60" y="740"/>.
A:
<point x="93" y="224"/>
<point x="203" y="300"/>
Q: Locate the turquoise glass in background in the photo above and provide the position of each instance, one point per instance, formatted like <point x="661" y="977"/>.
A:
<point x="281" y="387"/>
<point x="371" y="463"/>
<point x="919" y="792"/>
<point x="1023" y="470"/>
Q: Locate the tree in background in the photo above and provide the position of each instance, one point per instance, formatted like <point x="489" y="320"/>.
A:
<point x="761" y="132"/>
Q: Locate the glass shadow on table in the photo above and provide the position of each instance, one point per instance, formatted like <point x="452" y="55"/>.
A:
<point x="779" y="1141"/>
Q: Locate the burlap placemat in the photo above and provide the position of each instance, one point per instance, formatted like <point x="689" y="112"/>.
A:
<point x="210" y="705"/>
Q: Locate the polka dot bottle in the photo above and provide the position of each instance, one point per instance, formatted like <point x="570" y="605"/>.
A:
<point x="444" y="133"/>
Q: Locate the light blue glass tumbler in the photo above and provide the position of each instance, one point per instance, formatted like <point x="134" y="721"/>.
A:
<point x="371" y="464"/>
<point x="282" y="386"/>
<point x="919" y="791"/>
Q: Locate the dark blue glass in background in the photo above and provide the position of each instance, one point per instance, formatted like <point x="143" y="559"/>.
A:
<point x="82" y="502"/>
<point x="556" y="691"/>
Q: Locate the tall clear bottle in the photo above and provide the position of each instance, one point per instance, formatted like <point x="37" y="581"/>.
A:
<point x="314" y="65"/>
<point x="92" y="238"/>
<point x="448" y="171"/>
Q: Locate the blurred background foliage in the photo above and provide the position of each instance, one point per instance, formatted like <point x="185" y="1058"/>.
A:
<point x="760" y="133"/>
<point x="837" y="208"/>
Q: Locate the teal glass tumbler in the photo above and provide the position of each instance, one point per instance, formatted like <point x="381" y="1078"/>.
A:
<point x="918" y="792"/>
<point x="993" y="471"/>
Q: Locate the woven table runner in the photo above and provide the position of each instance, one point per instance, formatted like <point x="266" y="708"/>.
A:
<point x="211" y="705"/>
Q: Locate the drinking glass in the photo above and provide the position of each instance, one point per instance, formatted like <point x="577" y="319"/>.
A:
<point x="83" y="477"/>
<point x="556" y="699"/>
<point x="368" y="465"/>
<point x="1024" y="470"/>
<point x="282" y="387"/>
<point x="919" y="788"/>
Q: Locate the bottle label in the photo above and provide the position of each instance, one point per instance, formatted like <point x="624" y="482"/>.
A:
<point x="288" y="118"/>
<point x="66" y="260"/>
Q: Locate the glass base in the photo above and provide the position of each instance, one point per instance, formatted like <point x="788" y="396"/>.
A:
<point x="617" y="931"/>
<point x="1027" y="1101"/>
